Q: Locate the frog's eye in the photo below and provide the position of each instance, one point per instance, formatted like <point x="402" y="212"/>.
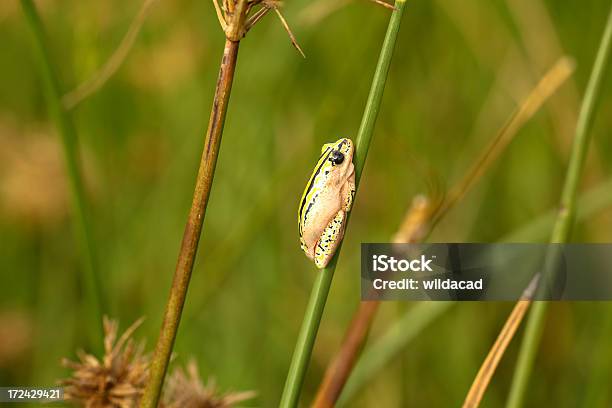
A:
<point x="336" y="157"/>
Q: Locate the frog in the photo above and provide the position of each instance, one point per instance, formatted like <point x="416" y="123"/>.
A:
<point x="326" y="202"/>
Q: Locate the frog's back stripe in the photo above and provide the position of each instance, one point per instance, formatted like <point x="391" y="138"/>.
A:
<point x="308" y="191"/>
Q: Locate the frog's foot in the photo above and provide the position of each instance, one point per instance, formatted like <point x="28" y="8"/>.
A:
<point x="329" y="241"/>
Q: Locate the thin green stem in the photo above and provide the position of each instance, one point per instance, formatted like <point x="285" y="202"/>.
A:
<point x="318" y="296"/>
<point x="67" y="132"/>
<point x="582" y="138"/>
<point x="368" y="120"/>
<point x="565" y="217"/>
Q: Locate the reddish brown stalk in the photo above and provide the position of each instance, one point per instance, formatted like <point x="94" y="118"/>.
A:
<point x="191" y="236"/>
<point x="487" y="369"/>
<point x="233" y="17"/>
<point x="338" y="371"/>
<point x="412" y="229"/>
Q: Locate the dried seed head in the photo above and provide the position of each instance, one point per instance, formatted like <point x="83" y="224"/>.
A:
<point x="186" y="390"/>
<point x="117" y="380"/>
<point x="236" y="21"/>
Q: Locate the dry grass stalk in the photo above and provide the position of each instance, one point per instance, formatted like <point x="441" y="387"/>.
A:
<point x="487" y="369"/>
<point x="236" y="18"/>
<point x="415" y="225"/>
<point x="185" y="389"/>
<point x="490" y="363"/>
<point x="93" y="84"/>
<point x="115" y="380"/>
<point x="549" y="83"/>
<point x="340" y="368"/>
<point x="384" y="4"/>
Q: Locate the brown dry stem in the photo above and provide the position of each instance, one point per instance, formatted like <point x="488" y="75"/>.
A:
<point x="340" y="368"/>
<point x="234" y="19"/>
<point x="485" y="373"/>
<point x="193" y="229"/>
<point x="97" y="80"/>
<point x="384" y="4"/>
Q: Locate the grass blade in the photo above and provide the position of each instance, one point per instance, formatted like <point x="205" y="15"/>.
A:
<point x="100" y="77"/>
<point x="65" y="128"/>
<point x="566" y="214"/>
<point x="546" y="86"/>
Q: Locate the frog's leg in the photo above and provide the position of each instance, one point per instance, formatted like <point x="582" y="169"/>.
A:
<point x="329" y="241"/>
<point x="349" y="197"/>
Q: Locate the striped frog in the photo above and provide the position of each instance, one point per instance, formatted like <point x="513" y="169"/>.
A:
<point x="326" y="201"/>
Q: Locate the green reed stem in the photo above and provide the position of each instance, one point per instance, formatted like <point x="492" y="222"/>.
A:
<point x="565" y="217"/>
<point x="318" y="296"/>
<point x="67" y="132"/>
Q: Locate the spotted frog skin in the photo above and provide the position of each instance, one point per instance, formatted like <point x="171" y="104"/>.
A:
<point x="326" y="201"/>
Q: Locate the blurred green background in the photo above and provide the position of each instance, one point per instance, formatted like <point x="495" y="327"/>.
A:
<point x="459" y="70"/>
